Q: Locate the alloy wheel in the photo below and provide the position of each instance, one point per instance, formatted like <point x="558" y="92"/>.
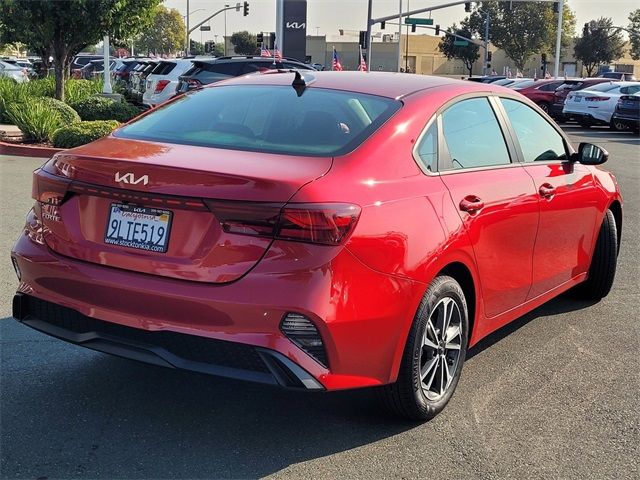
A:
<point x="440" y="350"/>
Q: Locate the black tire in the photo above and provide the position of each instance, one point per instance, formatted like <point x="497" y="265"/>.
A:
<point x="545" y="107"/>
<point x="406" y="397"/>
<point x="617" y="125"/>
<point x="603" y="264"/>
<point x="584" y="123"/>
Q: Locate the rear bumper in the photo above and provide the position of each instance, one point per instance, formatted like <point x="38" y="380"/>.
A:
<point x="363" y="316"/>
<point x="163" y="348"/>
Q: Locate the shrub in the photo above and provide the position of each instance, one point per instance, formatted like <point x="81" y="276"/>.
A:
<point x="103" y="108"/>
<point x="82" y="132"/>
<point x="78" y="90"/>
<point x="67" y="114"/>
<point x="11" y="92"/>
<point x="36" y="120"/>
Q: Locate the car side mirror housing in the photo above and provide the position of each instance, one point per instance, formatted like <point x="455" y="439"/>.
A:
<point x="590" y="154"/>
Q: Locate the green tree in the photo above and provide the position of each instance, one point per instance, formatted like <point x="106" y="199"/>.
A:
<point x="600" y="43"/>
<point x="522" y="29"/>
<point x="196" y="48"/>
<point x="65" y="27"/>
<point x="244" y="43"/>
<point x="634" y="33"/>
<point x="166" y="34"/>
<point x="468" y="54"/>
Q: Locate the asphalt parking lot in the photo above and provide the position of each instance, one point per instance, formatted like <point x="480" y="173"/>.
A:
<point x="554" y="395"/>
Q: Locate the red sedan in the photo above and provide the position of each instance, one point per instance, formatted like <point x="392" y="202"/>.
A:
<point x="323" y="231"/>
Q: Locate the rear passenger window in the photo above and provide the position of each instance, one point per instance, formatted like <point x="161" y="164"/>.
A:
<point x="473" y="135"/>
<point x="428" y="148"/>
<point x="539" y="141"/>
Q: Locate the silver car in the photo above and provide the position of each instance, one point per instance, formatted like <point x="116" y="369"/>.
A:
<point x="13" y="71"/>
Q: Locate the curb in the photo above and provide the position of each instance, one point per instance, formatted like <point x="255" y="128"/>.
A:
<point x="27" y="151"/>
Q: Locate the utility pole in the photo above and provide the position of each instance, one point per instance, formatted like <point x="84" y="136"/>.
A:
<point x="399" y="35"/>
<point x="556" y="69"/>
<point x="187" y="47"/>
<point x="368" y="41"/>
<point x="486" y="43"/>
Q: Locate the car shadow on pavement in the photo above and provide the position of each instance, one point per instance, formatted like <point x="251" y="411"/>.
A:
<point x="567" y="302"/>
<point x="75" y="413"/>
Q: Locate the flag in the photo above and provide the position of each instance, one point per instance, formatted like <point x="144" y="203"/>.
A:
<point x="264" y="52"/>
<point x="277" y="55"/>
<point x="336" y="65"/>
<point x="363" y="65"/>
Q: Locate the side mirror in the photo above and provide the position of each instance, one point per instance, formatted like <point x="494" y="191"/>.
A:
<point x="590" y="154"/>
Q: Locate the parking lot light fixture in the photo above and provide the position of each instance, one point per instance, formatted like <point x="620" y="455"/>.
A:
<point x="106" y="87"/>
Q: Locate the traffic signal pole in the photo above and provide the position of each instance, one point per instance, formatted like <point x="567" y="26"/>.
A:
<point x="486" y="44"/>
<point x="556" y="66"/>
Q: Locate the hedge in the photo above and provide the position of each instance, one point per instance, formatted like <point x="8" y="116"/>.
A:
<point x="36" y="120"/>
<point x="103" y="108"/>
<point x="82" y="132"/>
<point x="67" y="114"/>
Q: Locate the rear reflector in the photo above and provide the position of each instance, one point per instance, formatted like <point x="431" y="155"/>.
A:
<point x="323" y="223"/>
<point x="301" y="331"/>
<point x="160" y="85"/>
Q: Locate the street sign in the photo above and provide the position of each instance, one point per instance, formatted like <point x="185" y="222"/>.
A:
<point x="205" y="28"/>
<point x="460" y="43"/>
<point x="418" y="21"/>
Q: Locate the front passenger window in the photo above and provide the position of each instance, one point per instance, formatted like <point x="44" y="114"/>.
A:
<point x="539" y="140"/>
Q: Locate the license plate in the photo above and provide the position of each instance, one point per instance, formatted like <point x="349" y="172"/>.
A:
<point x="138" y="227"/>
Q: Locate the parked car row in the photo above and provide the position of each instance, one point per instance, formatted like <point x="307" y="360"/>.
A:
<point x="13" y="71"/>
<point x="604" y="100"/>
<point x="150" y="82"/>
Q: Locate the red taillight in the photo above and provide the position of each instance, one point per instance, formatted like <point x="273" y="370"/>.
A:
<point x="49" y="189"/>
<point x="324" y="223"/>
<point x="160" y="85"/>
<point x="596" y="99"/>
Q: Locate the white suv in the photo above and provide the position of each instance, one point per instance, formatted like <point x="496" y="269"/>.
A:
<point x="163" y="80"/>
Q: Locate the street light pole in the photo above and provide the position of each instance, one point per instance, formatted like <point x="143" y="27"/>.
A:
<point x="187" y="47"/>
<point x="399" y="35"/>
<point x="225" y="30"/>
<point x="486" y="44"/>
<point x="556" y="66"/>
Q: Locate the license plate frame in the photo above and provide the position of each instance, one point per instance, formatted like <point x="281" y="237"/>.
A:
<point x="149" y="216"/>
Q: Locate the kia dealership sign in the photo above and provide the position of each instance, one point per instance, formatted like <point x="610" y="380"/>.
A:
<point x="291" y="28"/>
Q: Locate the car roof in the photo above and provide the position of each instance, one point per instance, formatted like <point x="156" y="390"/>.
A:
<point x="243" y="58"/>
<point x="384" y="84"/>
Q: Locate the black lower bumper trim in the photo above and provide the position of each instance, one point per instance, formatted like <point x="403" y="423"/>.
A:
<point x="163" y="348"/>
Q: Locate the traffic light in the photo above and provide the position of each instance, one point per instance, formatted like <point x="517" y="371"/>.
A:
<point x="437" y="29"/>
<point x="382" y="24"/>
<point x="363" y="39"/>
<point x="260" y="38"/>
<point x="209" y="46"/>
<point x="245" y="9"/>
<point x="489" y="56"/>
<point x="556" y="7"/>
<point x="467" y="7"/>
<point x="413" y="28"/>
<point x="272" y="40"/>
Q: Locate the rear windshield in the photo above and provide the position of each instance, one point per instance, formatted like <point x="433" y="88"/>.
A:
<point x="163" y="68"/>
<point x="602" y="87"/>
<point x="269" y="119"/>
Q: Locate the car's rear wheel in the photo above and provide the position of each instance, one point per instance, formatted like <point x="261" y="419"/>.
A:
<point x="584" y="122"/>
<point x="603" y="264"/>
<point x="433" y="355"/>
<point x="544" y="106"/>
<point x="618" y="125"/>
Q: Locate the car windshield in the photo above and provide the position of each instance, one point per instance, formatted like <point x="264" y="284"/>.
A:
<point x="272" y="119"/>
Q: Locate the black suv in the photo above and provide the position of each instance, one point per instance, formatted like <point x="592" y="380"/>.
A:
<point x="206" y="71"/>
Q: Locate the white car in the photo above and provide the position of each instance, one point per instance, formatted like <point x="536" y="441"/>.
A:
<point x="13" y="71"/>
<point x="595" y="105"/>
<point x="163" y="80"/>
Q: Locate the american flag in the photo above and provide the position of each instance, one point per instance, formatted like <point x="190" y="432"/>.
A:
<point x="363" y="65"/>
<point x="264" y="52"/>
<point x="277" y="54"/>
<point x="336" y="65"/>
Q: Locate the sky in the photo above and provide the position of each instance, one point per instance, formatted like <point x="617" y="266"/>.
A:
<point x="325" y="17"/>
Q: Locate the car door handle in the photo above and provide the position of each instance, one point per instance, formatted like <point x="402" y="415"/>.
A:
<point x="547" y="190"/>
<point x="471" y="204"/>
